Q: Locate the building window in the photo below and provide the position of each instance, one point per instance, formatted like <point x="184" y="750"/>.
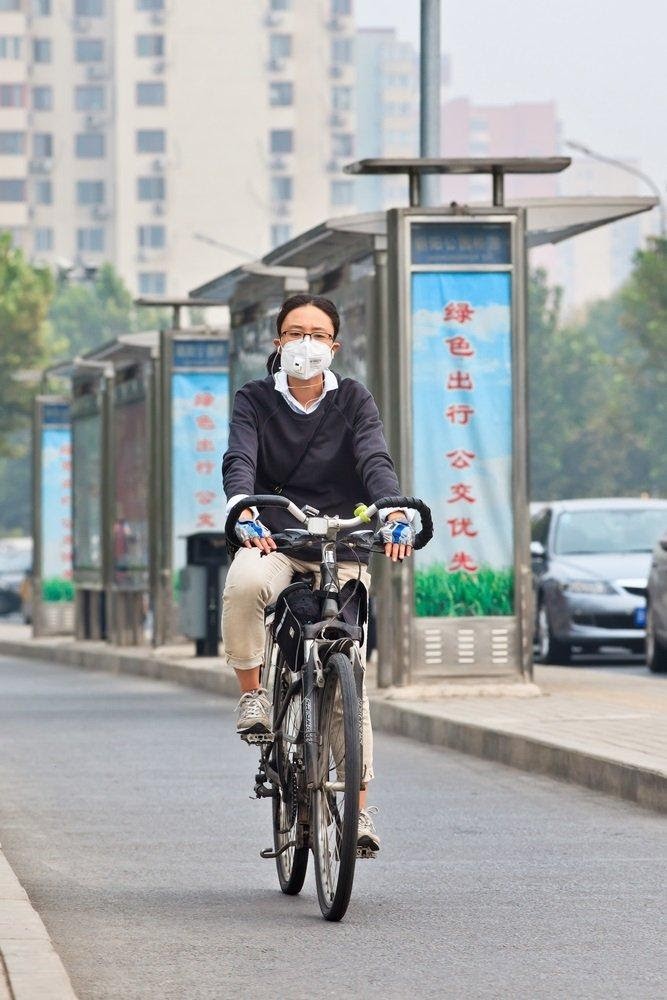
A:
<point x="342" y="50"/>
<point x="151" y="237"/>
<point x="42" y="145"/>
<point x="342" y="144"/>
<point x="43" y="239"/>
<point x="12" y="143"/>
<point x="43" y="193"/>
<point x="152" y="283"/>
<point x="89" y="8"/>
<point x="151" y="140"/>
<point x="342" y="192"/>
<point x="150" y="45"/>
<point x="280" y="46"/>
<point x="12" y="95"/>
<point x="281" y="140"/>
<point x="89" y="98"/>
<point x="341" y="98"/>
<point x="280" y="233"/>
<point x="90" y="240"/>
<point x="150" y="4"/>
<point x="90" y="192"/>
<point x="281" y="4"/>
<point x="281" y="188"/>
<point x="89" y="145"/>
<point x="281" y="94"/>
<point x="42" y="98"/>
<point x="41" y="50"/>
<point x="12" y="190"/>
<point x="150" y="188"/>
<point x="41" y="8"/>
<point x="10" y="46"/>
<point x="151" y="94"/>
<point x="89" y="50"/>
<point x="341" y="7"/>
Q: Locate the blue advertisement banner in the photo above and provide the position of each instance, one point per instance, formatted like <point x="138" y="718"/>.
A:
<point x="462" y="419"/>
<point x="200" y="415"/>
<point x="56" y="505"/>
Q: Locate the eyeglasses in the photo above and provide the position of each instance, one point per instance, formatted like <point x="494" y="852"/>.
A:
<point x="319" y="336"/>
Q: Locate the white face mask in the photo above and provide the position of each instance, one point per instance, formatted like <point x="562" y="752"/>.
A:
<point x="305" y="358"/>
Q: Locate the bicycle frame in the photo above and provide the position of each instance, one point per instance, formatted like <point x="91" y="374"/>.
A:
<point x="311" y="676"/>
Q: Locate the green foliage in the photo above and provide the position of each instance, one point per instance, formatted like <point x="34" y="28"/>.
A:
<point x="598" y="388"/>
<point x="456" y="595"/>
<point x="25" y="292"/>
<point x="88" y="315"/>
<point x="56" y="589"/>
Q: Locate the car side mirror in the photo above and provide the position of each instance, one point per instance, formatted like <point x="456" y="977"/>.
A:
<point x="663" y="543"/>
<point x="537" y="551"/>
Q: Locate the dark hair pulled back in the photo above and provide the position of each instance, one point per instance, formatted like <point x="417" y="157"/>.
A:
<point x="295" y="302"/>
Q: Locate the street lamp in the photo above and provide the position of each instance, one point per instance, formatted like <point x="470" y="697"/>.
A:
<point x="579" y="146"/>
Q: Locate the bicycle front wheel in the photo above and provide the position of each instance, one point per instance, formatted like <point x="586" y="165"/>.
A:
<point x="335" y="799"/>
<point x="292" y="859"/>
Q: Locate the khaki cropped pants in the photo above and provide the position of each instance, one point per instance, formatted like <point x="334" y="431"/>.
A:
<point x="253" y="582"/>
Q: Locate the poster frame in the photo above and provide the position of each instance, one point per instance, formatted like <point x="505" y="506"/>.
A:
<point x="414" y="639"/>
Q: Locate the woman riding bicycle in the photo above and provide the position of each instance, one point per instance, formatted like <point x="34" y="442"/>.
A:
<point x="320" y="439"/>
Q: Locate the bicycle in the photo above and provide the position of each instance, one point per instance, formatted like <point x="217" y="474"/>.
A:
<point x="310" y="764"/>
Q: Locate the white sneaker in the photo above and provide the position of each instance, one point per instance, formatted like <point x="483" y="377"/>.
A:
<point x="253" y="713"/>
<point x="367" y="837"/>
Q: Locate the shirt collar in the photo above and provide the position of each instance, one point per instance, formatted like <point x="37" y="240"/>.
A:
<point x="281" y="386"/>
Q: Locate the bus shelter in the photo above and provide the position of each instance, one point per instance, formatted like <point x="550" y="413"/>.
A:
<point x="439" y="335"/>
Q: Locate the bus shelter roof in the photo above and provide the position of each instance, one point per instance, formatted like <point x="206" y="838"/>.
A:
<point x="340" y="241"/>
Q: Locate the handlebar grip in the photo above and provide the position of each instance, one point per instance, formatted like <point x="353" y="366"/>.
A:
<point x="425" y="533"/>
<point x="259" y="500"/>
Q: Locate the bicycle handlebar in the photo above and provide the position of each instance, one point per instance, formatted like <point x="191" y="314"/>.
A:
<point x="424" y="535"/>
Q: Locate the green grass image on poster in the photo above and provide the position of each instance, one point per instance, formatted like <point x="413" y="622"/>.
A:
<point x="439" y="593"/>
<point x="56" y="589"/>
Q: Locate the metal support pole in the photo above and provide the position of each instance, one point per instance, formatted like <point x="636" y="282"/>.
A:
<point x="415" y="180"/>
<point x="498" y="186"/>
<point x="429" y="116"/>
<point x="108" y="512"/>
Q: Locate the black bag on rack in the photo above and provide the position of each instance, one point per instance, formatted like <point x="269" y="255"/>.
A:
<point x="297" y="605"/>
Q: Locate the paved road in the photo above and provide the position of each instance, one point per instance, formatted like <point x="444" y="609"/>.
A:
<point x="124" y="810"/>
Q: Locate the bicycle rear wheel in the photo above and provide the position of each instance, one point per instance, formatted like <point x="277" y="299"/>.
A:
<point x="292" y="862"/>
<point x="335" y="800"/>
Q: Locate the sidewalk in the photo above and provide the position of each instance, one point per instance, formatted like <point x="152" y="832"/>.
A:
<point x="29" y="966"/>
<point x="602" y="731"/>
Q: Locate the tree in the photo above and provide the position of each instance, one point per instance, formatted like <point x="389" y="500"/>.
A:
<point x="25" y="293"/>
<point x="88" y="315"/>
<point x="643" y="360"/>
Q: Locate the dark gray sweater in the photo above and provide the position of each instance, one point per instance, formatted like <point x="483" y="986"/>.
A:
<point x="347" y="461"/>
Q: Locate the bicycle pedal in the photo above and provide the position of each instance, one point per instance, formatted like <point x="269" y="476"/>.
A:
<point x="255" y="739"/>
<point x="366" y="854"/>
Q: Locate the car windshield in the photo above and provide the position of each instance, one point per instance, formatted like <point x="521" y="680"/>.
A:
<point x="628" y="529"/>
<point x="14" y="558"/>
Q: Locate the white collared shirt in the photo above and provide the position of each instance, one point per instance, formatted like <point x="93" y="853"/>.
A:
<point x="280" y="380"/>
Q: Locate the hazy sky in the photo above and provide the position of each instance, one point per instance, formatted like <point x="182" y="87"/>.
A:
<point x="604" y="62"/>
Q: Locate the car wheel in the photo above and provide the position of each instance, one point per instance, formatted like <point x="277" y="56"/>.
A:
<point x="656" y="651"/>
<point x="550" y="649"/>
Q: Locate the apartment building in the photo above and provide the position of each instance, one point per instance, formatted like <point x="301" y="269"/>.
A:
<point x="175" y="138"/>
<point x="387" y="71"/>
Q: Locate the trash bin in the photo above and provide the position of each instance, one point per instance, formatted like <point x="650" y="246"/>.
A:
<point x="202" y="583"/>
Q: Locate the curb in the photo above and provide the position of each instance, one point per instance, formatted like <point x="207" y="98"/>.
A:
<point x="30" y="968"/>
<point x="644" y="786"/>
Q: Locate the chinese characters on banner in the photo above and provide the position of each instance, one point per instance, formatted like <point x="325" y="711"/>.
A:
<point x="462" y="412"/>
<point x="56" y="501"/>
<point x="200" y="415"/>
